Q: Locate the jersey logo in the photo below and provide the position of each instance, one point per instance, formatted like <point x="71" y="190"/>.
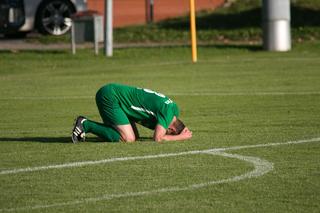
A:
<point x="169" y="101"/>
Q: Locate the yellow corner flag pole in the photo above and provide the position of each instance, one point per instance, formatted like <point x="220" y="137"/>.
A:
<point x="193" y="31"/>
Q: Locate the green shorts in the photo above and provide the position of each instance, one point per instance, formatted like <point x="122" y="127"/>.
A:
<point x="109" y="107"/>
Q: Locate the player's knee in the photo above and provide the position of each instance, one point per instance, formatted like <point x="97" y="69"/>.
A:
<point x="129" y="138"/>
<point x="126" y="132"/>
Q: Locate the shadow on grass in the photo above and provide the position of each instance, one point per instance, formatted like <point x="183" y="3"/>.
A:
<point x="45" y="139"/>
<point x="217" y="21"/>
<point x="253" y="48"/>
<point x="252" y="18"/>
<point x="40" y="51"/>
<point x="244" y="46"/>
<point x="60" y="139"/>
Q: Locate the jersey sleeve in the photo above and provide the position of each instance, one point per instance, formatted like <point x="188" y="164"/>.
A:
<point x="166" y="114"/>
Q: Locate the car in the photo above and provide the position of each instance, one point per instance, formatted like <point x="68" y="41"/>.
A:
<point x="53" y="17"/>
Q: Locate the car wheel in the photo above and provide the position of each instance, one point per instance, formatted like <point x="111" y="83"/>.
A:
<point x="54" y="17"/>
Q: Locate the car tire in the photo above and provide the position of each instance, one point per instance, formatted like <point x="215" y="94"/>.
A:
<point x="54" y="17"/>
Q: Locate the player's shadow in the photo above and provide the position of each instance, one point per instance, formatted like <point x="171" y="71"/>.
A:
<point x="59" y="139"/>
<point x="145" y="139"/>
<point x="43" y="51"/>
<point x="45" y="139"/>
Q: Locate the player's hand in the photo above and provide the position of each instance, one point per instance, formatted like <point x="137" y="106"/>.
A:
<point x="186" y="133"/>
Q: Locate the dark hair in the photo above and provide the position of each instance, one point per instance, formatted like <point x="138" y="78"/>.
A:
<point x="179" y="126"/>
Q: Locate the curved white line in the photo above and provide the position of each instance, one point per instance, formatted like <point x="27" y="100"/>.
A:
<point x="110" y="160"/>
<point x="261" y="167"/>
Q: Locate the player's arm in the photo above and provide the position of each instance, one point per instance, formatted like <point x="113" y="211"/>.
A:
<point x="160" y="134"/>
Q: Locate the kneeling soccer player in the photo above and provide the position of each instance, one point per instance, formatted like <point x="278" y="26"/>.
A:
<point x="121" y="107"/>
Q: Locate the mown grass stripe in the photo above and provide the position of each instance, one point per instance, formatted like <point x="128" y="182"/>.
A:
<point x="170" y="94"/>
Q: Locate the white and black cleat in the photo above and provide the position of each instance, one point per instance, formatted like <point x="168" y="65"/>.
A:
<point x="78" y="133"/>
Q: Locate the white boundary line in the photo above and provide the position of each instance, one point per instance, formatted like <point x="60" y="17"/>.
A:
<point x="110" y="160"/>
<point x="172" y="94"/>
<point x="261" y="167"/>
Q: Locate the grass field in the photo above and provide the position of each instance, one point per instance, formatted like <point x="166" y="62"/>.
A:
<point x="235" y="96"/>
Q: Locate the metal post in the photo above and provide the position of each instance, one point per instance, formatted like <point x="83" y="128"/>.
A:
<point x="108" y="32"/>
<point x="149" y="11"/>
<point x="73" y="39"/>
<point x="95" y="36"/>
<point x="276" y="25"/>
<point x="147" y="3"/>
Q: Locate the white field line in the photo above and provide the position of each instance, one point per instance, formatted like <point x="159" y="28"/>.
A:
<point x="110" y="160"/>
<point x="172" y="94"/>
<point x="261" y="167"/>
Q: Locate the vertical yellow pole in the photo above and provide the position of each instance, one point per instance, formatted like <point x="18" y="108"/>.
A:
<point x="193" y="31"/>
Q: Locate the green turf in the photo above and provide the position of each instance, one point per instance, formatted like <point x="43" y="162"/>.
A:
<point x="234" y="96"/>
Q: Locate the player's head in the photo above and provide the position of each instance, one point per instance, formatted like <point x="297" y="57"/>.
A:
<point x="175" y="127"/>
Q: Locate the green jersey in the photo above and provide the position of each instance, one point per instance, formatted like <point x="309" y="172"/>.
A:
<point x="142" y="106"/>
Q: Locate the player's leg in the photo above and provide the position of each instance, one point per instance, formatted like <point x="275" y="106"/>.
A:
<point x="105" y="132"/>
<point x="108" y="133"/>
<point x="116" y="125"/>
<point x="83" y="126"/>
<point x="126" y="132"/>
<point x="113" y="115"/>
<point x="102" y="130"/>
